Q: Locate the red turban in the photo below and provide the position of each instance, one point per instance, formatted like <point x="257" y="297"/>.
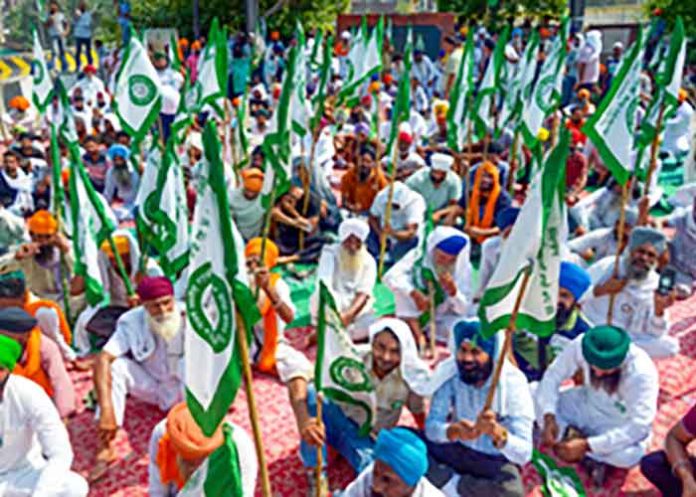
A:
<point x="155" y="287"/>
<point x="405" y="137"/>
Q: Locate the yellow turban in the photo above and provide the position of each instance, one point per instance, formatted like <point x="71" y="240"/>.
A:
<point x="271" y="254"/>
<point x="441" y="108"/>
<point x="122" y="245"/>
<point x="42" y="223"/>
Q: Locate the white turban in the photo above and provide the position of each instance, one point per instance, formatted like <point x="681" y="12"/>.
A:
<point x="441" y="162"/>
<point x="413" y="370"/>
<point x="353" y="226"/>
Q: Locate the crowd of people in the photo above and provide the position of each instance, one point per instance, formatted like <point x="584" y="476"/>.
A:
<point x="437" y="218"/>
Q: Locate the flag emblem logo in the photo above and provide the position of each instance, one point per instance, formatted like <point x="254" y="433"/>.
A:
<point x="203" y="286"/>
<point x="350" y="374"/>
<point x="141" y="89"/>
<point x="543" y="96"/>
<point x="38" y="72"/>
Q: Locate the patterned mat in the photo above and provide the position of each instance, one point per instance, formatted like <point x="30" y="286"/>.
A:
<point x="128" y="478"/>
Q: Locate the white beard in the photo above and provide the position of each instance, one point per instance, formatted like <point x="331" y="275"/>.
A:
<point x="165" y="326"/>
<point x="349" y="265"/>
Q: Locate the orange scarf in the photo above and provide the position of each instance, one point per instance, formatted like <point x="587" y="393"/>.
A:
<point x="31" y="368"/>
<point x="32" y="307"/>
<point x="267" y="357"/>
<point x="166" y="462"/>
<point x="474" y="218"/>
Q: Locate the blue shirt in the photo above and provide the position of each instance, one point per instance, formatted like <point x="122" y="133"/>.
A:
<point x="83" y="26"/>
<point x="455" y="400"/>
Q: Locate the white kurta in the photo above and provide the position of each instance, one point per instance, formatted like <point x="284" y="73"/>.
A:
<point x="345" y="287"/>
<point x="634" y="309"/>
<point x="362" y="486"/>
<point x="154" y="374"/>
<point x="618" y="425"/>
<point x="245" y="449"/>
<point x="490" y="255"/>
<point x="35" y="451"/>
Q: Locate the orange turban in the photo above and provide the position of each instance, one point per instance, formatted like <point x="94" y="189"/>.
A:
<point x="374" y="87"/>
<point x="183" y="42"/>
<point x="185" y="439"/>
<point x="122" y="245"/>
<point x="19" y="102"/>
<point x="42" y="223"/>
<point x="65" y="176"/>
<point x="252" y="179"/>
<point x="196" y="45"/>
<point x="275" y="35"/>
<point x="682" y="95"/>
<point x="271" y="255"/>
<point x="584" y="94"/>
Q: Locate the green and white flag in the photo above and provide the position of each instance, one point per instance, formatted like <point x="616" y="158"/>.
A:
<point x="340" y="374"/>
<point x="212" y="71"/>
<point x="217" y="288"/>
<point x="138" y="94"/>
<point x="612" y="128"/>
<point x="486" y="97"/>
<point x="319" y="101"/>
<point x="547" y="92"/>
<point x="92" y="222"/>
<point x="520" y="87"/>
<point x="648" y="125"/>
<point x="401" y="109"/>
<point x="220" y="474"/>
<point x="173" y="49"/>
<point x="459" y="112"/>
<point x="163" y="213"/>
<point x="669" y="76"/>
<point x="64" y="118"/>
<point x="188" y="99"/>
<point x="364" y="60"/>
<point x="42" y="86"/>
<point x="534" y="245"/>
<point x="301" y="108"/>
<point x="557" y="481"/>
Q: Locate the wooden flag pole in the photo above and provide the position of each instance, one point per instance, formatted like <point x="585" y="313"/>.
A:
<point x="318" y="469"/>
<point x="510" y="186"/>
<point x="387" y="217"/>
<point x="654" y="150"/>
<point x="507" y="345"/>
<point x="619" y="245"/>
<point x="251" y="402"/>
<point x="467" y="186"/>
<point x="266" y="228"/>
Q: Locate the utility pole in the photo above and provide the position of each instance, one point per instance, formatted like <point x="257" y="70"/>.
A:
<point x="251" y="9"/>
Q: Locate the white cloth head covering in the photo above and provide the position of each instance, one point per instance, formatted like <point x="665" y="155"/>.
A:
<point x="194" y="140"/>
<point x="353" y="226"/>
<point x="414" y="371"/>
<point x="441" y="162"/>
<point x="594" y="39"/>
<point x="261" y="89"/>
<point x="462" y="266"/>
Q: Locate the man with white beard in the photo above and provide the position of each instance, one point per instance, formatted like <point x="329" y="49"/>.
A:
<point x="142" y="359"/>
<point x="349" y="272"/>
<point x="638" y="307"/>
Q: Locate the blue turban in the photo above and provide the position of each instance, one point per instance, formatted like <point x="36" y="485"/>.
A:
<point x="506" y="217"/>
<point x="574" y="279"/>
<point x="118" y="150"/>
<point x="646" y="235"/>
<point x="470" y="331"/>
<point x="516" y="32"/>
<point x="452" y="245"/>
<point x="404" y="452"/>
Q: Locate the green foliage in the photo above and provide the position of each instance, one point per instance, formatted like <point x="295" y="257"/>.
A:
<point x="474" y="11"/>
<point x="670" y="10"/>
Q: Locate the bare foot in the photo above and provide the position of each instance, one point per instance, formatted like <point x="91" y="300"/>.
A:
<point x="106" y="457"/>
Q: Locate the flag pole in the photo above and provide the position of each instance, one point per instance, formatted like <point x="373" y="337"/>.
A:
<point x="511" y="328"/>
<point x="318" y="473"/>
<point x="387" y="217"/>
<point x="251" y="402"/>
<point x="513" y="162"/>
<point x="467" y="187"/>
<point x="620" y="235"/>
<point x="654" y="149"/>
<point x="266" y="228"/>
<point x="433" y="324"/>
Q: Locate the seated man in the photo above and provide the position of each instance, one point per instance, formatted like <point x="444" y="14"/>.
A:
<point x="438" y="185"/>
<point x="349" y="272"/>
<point x="534" y="353"/>
<point x="121" y="181"/>
<point x="36" y="455"/>
<point x="50" y="317"/>
<point x="361" y="183"/>
<point x="270" y="351"/>
<point x="245" y="204"/>
<point x="672" y="470"/>
<point x="445" y="267"/>
<point x="142" y="358"/>
<point x="40" y="360"/>
<point x="178" y="448"/>
<point x="407" y="160"/>
<point x="403" y="229"/>
<point x="608" y="418"/>
<point x="473" y="452"/>
<point x="46" y="262"/>
<point x="638" y="307"/>
<point x="682" y="250"/>
<point x="603" y="242"/>
<point x="19" y="183"/>
<point x="401" y="461"/>
<point x="491" y="248"/>
<point x="400" y="379"/>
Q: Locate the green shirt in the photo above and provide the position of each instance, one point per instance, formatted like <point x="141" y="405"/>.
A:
<point x="436" y="197"/>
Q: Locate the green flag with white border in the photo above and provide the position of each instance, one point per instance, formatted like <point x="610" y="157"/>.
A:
<point x="534" y="245"/>
<point x="557" y="481"/>
<point x="138" y="93"/>
<point x="340" y="373"/>
<point x="612" y="127"/>
<point x="217" y="288"/>
<point x="669" y="76"/>
<point x="212" y="70"/>
<point x="42" y="86"/>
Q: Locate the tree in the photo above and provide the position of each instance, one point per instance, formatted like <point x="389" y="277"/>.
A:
<point x="492" y="12"/>
<point x="670" y="10"/>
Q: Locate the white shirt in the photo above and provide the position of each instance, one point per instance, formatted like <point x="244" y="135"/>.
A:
<point x="345" y="287"/>
<point x="32" y="435"/>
